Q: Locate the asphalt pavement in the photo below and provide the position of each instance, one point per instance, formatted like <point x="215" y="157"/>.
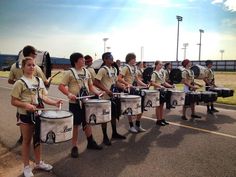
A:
<point x="192" y="148"/>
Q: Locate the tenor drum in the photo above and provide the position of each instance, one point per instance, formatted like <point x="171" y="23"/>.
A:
<point x="56" y="126"/>
<point x="130" y="104"/>
<point x="192" y="97"/>
<point x="199" y="71"/>
<point x="177" y="98"/>
<point x="208" y="96"/>
<point x="223" y="92"/>
<point x="97" y="111"/>
<point x="151" y="98"/>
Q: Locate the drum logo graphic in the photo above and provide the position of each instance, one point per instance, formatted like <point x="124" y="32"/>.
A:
<point x="149" y="103"/>
<point x="105" y="112"/>
<point x="51" y="137"/>
<point x="66" y="129"/>
<point x="175" y="101"/>
<point x="93" y="118"/>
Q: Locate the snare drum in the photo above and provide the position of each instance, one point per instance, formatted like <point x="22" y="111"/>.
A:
<point x="151" y="98"/>
<point x="130" y="104"/>
<point x="177" y="98"/>
<point x="56" y="126"/>
<point x="192" y="97"/>
<point x="97" y="111"/>
<point x="208" y="96"/>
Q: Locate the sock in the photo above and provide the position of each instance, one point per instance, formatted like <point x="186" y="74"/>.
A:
<point x="90" y="139"/>
<point x="114" y="131"/>
<point x="137" y="123"/>
<point x="131" y="124"/>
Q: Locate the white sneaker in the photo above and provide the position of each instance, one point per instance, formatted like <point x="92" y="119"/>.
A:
<point x="28" y="171"/>
<point x="133" y="130"/>
<point x="43" y="166"/>
<point x="140" y="129"/>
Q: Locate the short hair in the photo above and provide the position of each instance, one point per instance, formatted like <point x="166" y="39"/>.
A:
<point x="166" y="65"/>
<point x="129" y="57"/>
<point x="208" y="62"/>
<point x="74" y="57"/>
<point x="27" y="50"/>
<point x="107" y="55"/>
<point x="158" y="62"/>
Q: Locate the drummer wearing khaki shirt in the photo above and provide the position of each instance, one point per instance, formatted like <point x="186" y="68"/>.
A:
<point x="77" y="82"/>
<point x="189" y="85"/>
<point x="105" y="80"/>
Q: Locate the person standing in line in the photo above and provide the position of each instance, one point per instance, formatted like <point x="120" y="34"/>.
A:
<point x="140" y="70"/>
<point x="130" y="79"/>
<point x="210" y="82"/>
<point x="158" y="82"/>
<point x="189" y="85"/>
<point x="77" y="82"/>
<point x="88" y="64"/>
<point x="106" y="80"/>
<point x="16" y="71"/>
<point x="27" y="94"/>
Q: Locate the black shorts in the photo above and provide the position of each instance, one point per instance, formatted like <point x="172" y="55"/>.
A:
<point x="25" y="118"/>
<point x="78" y="114"/>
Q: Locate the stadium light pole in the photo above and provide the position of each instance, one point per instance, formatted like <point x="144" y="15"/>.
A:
<point x="104" y="40"/>
<point x="179" y="19"/>
<point x="200" y="44"/>
<point x="142" y="52"/>
<point x="222" y="53"/>
<point x="185" y="48"/>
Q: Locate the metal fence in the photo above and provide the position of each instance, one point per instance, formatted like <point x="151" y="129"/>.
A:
<point x="218" y="65"/>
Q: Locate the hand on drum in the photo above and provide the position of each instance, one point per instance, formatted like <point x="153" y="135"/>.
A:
<point x="59" y="103"/>
<point x="30" y="107"/>
<point x="72" y="97"/>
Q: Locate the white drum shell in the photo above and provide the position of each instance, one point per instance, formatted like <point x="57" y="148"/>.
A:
<point x="177" y="98"/>
<point x="56" y="128"/>
<point x="152" y="98"/>
<point x="130" y="104"/>
<point x="97" y="111"/>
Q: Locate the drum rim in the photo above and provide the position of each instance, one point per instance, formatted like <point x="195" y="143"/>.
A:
<point x="43" y="117"/>
<point x="97" y="101"/>
<point x="130" y="96"/>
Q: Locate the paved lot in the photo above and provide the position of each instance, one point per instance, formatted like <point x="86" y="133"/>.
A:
<point x="196" y="148"/>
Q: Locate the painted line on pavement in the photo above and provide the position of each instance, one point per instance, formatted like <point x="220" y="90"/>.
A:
<point x="194" y="128"/>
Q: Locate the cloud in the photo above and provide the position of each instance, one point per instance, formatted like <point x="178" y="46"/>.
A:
<point x="229" y="5"/>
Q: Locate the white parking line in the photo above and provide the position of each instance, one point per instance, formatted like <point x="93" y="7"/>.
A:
<point x="194" y="128"/>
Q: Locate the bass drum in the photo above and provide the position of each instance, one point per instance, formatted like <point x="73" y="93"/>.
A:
<point x="176" y="75"/>
<point x="42" y="59"/>
<point x="199" y="71"/>
<point x="147" y="74"/>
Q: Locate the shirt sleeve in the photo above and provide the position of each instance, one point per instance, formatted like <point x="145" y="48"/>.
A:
<point x="40" y="73"/>
<point x="100" y="74"/>
<point x="65" y="78"/>
<point x="17" y="89"/>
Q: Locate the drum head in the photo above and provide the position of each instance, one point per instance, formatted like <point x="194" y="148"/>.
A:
<point x="57" y="114"/>
<point x="176" y="75"/>
<point x="129" y="96"/>
<point x="96" y="101"/>
<point x="149" y="91"/>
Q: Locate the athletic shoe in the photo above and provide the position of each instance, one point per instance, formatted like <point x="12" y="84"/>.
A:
<point x="164" y="121"/>
<point x="28" y="171"/>
<point x="214" y="110"/>
<point x="195" y="116"/>
<point x="93" y="145"/>
<point x="140" y="129"/>
<point x="133" y="130"/>
<point x="209" y="111"/>
<point x="43" y="166"/>
<point x="184" y="118"/>
<point x="118" y="136"/>
<point x="107" y="142"/>
<point x="159" y="122"/>
<point x="74" y="152"/>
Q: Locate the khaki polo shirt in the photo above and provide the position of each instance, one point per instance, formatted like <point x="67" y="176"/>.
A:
<point x="129" y="76"/>
<point x="209" y="75"/>
<point x="92" y="72"/>
<point x="21" y="92"/>
<point x="188" y="75"/>
<point x="74" y="85"/>
<point x="158" y="77"/>
<point x="106" y="78"/>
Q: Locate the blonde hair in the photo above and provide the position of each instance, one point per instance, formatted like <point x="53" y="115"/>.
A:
<point x="25" y="60"/>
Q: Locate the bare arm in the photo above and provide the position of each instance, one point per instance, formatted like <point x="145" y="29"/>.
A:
<point x="27" y="106"/>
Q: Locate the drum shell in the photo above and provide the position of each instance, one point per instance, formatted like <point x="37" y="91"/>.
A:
<point x="208" y="96"/>
<point x="217" y="90"/>
<point x="97" y="111"/>
<point x="130" y="104"/>
<point x="199" y="71"/>
<point x="223" y="92"/>
<point x="192" y="97"/>
<point x="152" y="98"/>
<point x="57" y="129"/>
<point x="176" y="75"/>
<point x="177" y="98"/>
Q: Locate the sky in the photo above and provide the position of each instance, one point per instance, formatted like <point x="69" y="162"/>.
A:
<point x="147" y="28"/>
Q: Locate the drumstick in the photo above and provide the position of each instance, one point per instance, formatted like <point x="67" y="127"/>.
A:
<point x="46" y="109"/>
<point x="50" y="80"/>
<point x="84" y="97"/>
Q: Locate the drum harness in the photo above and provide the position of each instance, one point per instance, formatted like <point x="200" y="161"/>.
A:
<point x="39" y="104"/>
<point x="115" y="100"/>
